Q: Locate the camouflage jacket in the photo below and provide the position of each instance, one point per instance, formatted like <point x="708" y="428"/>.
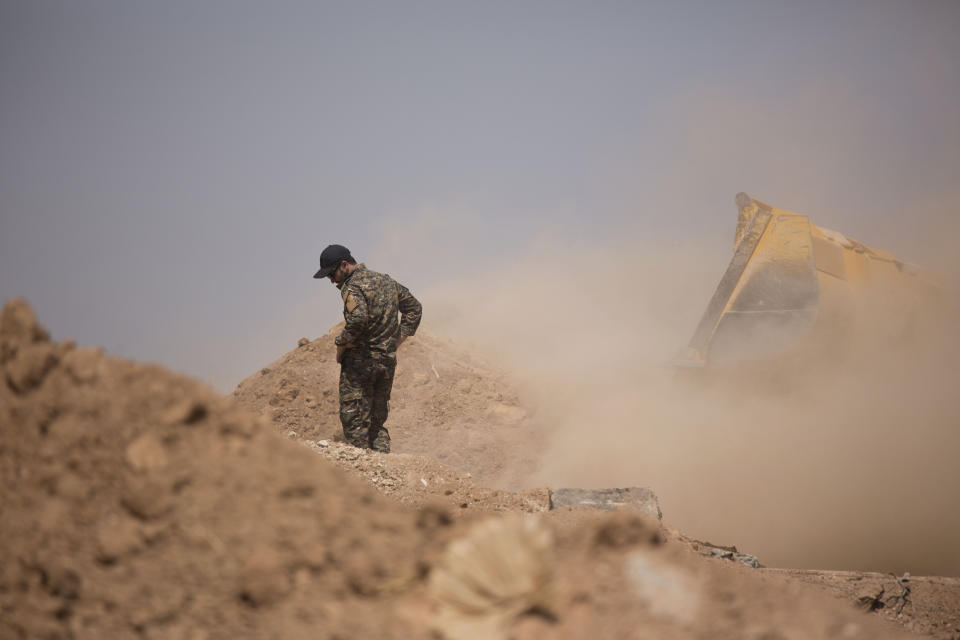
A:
<point x="371" y="302"/>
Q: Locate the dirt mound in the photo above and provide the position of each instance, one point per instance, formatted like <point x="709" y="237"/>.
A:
<point x="445" y="406"/>
<point x="929" y="605"/>
<point x="139" y="504"/>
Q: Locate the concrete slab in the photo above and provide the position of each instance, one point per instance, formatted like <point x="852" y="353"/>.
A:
<point x="639" y="499"/>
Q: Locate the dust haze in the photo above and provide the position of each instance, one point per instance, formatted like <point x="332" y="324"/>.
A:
<point x="840" y="459"/>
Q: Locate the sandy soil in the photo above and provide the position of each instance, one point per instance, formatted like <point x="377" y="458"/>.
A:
<point x="445" y="405"/>
<point x="137" y="503"/>
<point x="924" y="604"/>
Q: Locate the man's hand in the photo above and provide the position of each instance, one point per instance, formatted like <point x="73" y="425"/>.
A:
<point x="401" y="339"/>
<point x="341" y="349"/>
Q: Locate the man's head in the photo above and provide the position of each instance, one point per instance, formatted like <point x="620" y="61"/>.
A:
<point x="336" y="263"/>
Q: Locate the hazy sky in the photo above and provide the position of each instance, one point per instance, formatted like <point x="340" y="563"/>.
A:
<point x="170" y="171"/>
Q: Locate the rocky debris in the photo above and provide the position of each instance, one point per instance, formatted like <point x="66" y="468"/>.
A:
<point x="500" y="570"/>
<point x="365" y="463"/>
<point x="633" y="498"/>
<point x="745" y="559"/>
<point x="922" y="604"/>
<point x="420" y="482"/>
<point x="723" y="553"/>
<point x="139" y="504"/>
<point x="870" y="596"/>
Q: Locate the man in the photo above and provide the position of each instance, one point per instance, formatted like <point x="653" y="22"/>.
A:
<point x="367" y="346"/>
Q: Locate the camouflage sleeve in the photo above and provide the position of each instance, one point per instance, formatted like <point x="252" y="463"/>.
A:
<point x="410" y="310"/>
<point x="355" y="315"/>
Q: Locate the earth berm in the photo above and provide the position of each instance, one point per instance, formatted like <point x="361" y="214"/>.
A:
<point x="138" y="503"/>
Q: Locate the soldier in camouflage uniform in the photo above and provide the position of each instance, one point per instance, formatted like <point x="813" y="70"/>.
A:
<point x="367" y="347"/>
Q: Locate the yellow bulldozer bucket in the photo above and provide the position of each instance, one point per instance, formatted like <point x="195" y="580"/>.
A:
<point x="786" y="277"/>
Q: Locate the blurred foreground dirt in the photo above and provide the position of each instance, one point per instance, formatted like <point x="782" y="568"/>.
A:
<point x="137" y="503"/>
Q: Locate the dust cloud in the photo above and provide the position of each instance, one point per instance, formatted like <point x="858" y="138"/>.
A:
<point x="842" y="458"/>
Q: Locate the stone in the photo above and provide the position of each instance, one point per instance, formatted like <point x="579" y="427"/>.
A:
<point x="146" y="499"/>
<point x="30" y="365"/>
<point x="870" y="596"/>
<point x="639" y="499"/>
<point x="668" y="591"/>
<point x="18" y="323"/>
<point x="726" y="554"/>
<point x="146" y="453"/>
<point x="747" y="560"/>
<point x="117" y="538"/>
<point x="84" y="365"/>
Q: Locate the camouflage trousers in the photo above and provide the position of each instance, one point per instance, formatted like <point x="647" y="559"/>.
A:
<point x="365" y="381"/>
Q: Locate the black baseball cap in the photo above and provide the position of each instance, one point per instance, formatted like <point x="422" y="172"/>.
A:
<point x="330" y="259"/>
